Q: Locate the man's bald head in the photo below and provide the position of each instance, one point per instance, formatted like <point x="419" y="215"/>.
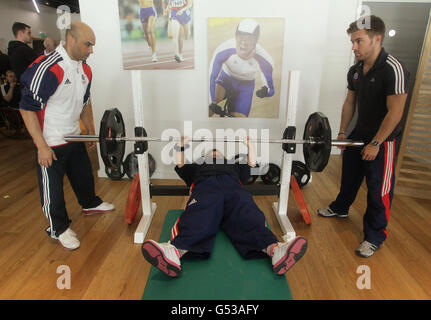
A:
<point x="80" y="40"/>
<point x="80" y="29"/>
<point x="49" y="44"/>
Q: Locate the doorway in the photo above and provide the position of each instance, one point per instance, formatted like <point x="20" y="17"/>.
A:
<point x="406" y="25"/>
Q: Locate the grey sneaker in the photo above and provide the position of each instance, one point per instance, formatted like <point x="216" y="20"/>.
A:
<point x="327" y="212"/>
<point x="366" y="249"/>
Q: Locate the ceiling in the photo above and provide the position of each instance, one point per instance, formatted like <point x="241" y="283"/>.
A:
<point x="72" y="4"/>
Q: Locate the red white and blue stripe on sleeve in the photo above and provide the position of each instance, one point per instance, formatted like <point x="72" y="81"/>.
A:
<point x="40" y="81"/>
<point x="87" y="71"/>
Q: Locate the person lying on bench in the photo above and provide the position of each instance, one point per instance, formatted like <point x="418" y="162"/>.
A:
<point x="217" y="199"/>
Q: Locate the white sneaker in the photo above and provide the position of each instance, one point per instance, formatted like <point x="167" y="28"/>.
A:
<point x="48" y="231"/>
<point x="68" y="240"/>
<point x="154" y="58"/>
<point x="163" y="256"/>
<point x="366" y="249"/>
<point x="285" y="255"/>
<point x="101" y="208"/>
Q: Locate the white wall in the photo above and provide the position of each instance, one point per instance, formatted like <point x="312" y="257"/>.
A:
<point x="315" y="43"/>
<point x="23" y="11"/>
<point x="337" y="59"/>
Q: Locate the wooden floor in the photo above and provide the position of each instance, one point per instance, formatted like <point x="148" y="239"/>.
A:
<point x="108" y="265"/>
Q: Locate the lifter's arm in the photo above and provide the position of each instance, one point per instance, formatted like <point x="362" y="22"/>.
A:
<point x="179" y="155"/>
<point x="251" y="156"/>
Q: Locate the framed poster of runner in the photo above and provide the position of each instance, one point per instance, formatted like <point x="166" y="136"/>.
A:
<point x="157" y="34"/>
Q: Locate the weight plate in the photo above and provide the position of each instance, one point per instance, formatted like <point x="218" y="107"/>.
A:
<point x="133" y="200"/>
<point x="301" y="173"/>
<point x="289" y="133"/>
<point x="111" y="151"/>
<point x="273" y="174"/>
<point x="115" y="173"/>
<point x="131" y="165"/>
<point x="318" y="129"/>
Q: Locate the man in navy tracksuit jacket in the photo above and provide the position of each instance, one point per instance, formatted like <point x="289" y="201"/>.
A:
<point x="216" y="200"/>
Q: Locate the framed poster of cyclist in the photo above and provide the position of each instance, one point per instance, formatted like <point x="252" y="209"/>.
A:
<point x="245" y="63"/>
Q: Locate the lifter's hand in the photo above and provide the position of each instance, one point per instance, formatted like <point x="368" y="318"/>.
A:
<point x="45" y="156"/>
<point x="370" y="151"/>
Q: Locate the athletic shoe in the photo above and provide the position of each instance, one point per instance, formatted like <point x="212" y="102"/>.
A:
<point x="68" y="240"/>
<point x="163" y="256"/>
<point x="366" y="249"/>
<point x="285" y="255"/>
<point x="48" y="232"/>
<point x="154" y="58"/>
<point x="327" y="212"/>
<point x="179" y="58"/>
<point x="101" y="208"/>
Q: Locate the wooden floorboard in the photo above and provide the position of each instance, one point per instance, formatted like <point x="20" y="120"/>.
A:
<point x="108" y="265"/>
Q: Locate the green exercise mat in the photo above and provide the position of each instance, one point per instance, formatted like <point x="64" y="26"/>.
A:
<point x="224" y="276"/>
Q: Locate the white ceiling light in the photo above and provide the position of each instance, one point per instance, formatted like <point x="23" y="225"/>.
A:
<point x="392" y="33"/>
<point x="35" y="5"/>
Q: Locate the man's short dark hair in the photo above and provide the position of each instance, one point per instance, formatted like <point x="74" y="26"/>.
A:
<point x="372" y="24"/>
<point x="19" y="26"/>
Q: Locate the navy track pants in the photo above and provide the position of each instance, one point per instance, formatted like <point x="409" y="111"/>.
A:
<point x="380" y="180"/>
<point x="73" y="161"/>
<point x="220" y="201"/>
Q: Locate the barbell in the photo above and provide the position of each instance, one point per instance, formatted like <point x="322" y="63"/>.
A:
<point x="316" y="140"/>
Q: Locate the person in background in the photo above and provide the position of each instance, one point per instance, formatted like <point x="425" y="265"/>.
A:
<point x="49" y="45"/>
<point x="4" y="66"/>
<point x="11" y="90"/>
<point x="19" y="51"/>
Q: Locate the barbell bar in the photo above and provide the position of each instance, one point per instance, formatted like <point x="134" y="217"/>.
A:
<point x="95" y="138"/>
<point x="316" y="140"/>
